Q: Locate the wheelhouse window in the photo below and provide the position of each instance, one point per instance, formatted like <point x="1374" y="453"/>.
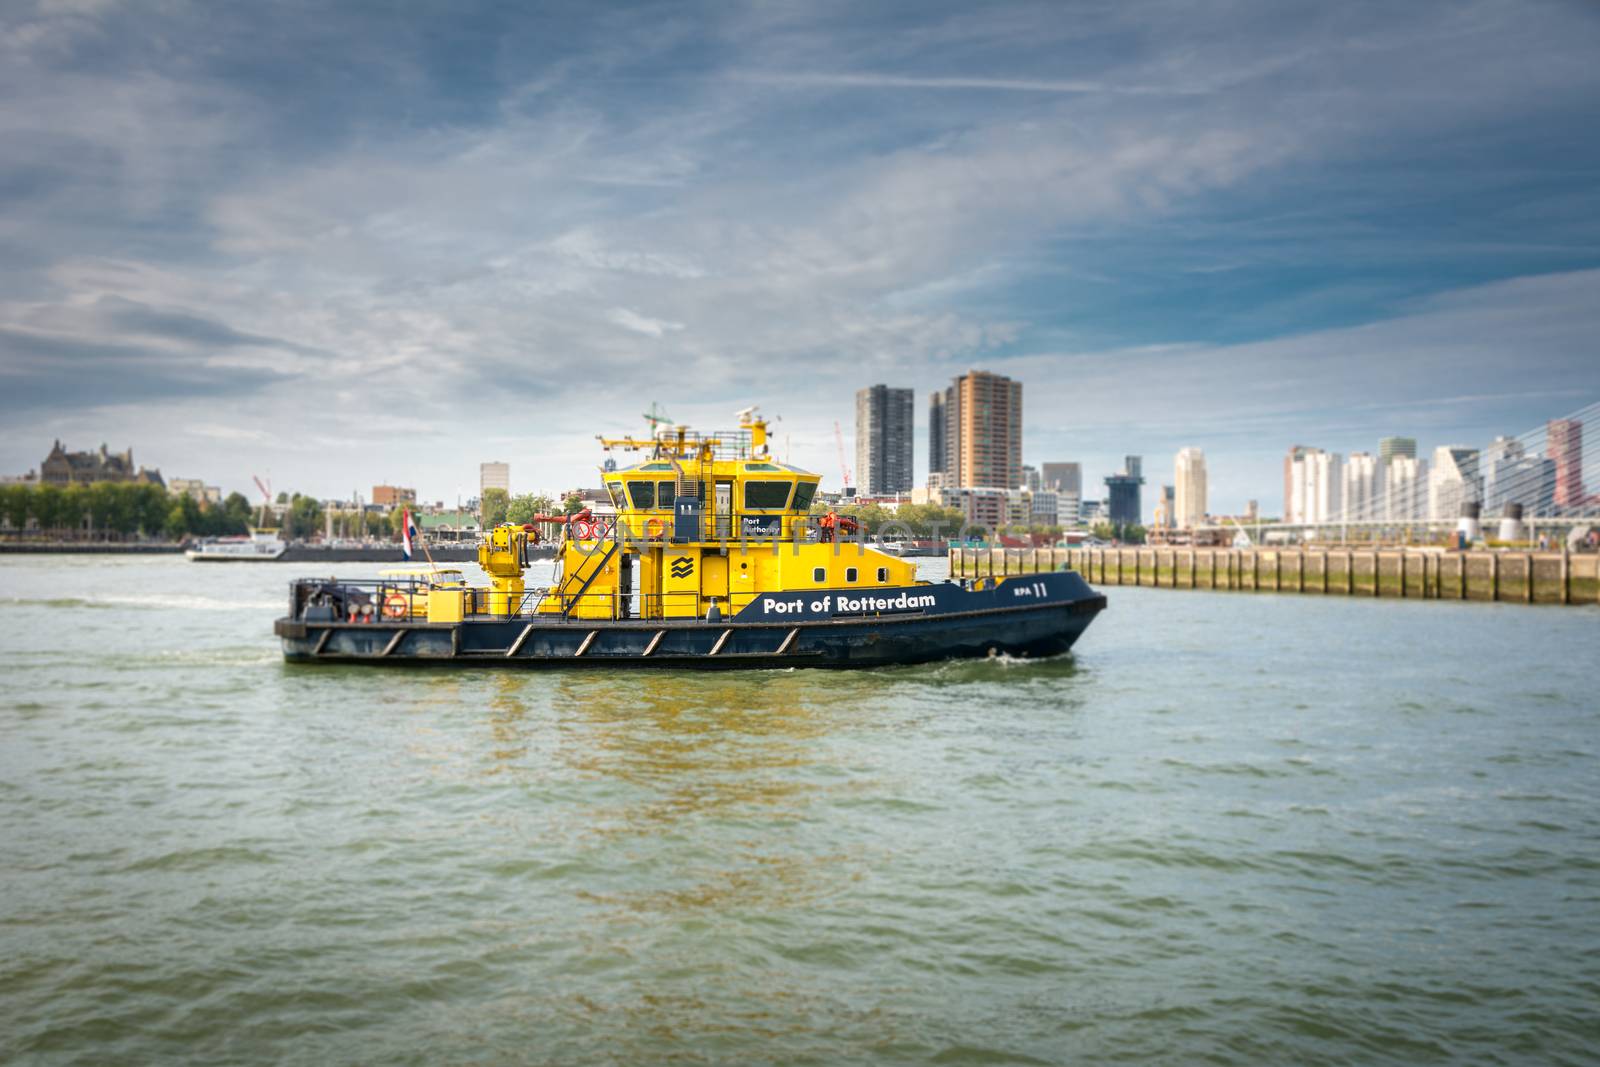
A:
<point x="803" y="494"/>
<point x="618" y="501"/>
<point x="643" y="495"/>
<point x="766" y="496"/>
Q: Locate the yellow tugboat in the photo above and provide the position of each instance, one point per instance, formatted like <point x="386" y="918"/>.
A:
<point x="712" y="560"/>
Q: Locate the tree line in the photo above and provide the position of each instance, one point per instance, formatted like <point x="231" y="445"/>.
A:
<point x="120" y="509"/>
<point x="117" y="510"/>
<point x="497" y="506"/>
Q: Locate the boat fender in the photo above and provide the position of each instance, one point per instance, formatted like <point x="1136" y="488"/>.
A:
<point x="395" y="605"/>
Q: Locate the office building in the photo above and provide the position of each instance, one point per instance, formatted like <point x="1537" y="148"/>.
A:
<point x="1030" y="478"/>
<point x="195" y="489"/>
<point x="1564" y="445"/>
<point x="884" y="428"/>
<point x="393" y="496"/>
<point x="938" y="455"/>
<point x="1062" y="477"/>
<point x="1189" y="489"/>
<point x="1045" y="507"/>
<point x="982" y="440"/>
<point x="1512" y="476"/>
<point x="985" y="507"/>
<point x="1393" y="447"/>
<point x="1122" y="505"/>
<point x="1166" y="507"/>
<point x="494" y="476"/>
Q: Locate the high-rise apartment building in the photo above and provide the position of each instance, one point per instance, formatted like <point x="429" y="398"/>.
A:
<point x="1405" y="489"/>
<point x="1392" y="447"/>
<point x="494" y="476"/>
<point x="1296" y="452"/>
<point x="1030" y="478"/>
<point x="982" y="441"/>
<point x="1189" y="489"/>
<point x="1452" y="481"/>
<point x="884" y="436"/>
<point x="1564" y="444"/>
<point x="938" y="452"/>
<point x="1359" y="498"/>
<point x="1312" y="483"/>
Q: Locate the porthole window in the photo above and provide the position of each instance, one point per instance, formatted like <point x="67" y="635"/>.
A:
<point x="883" y="574"/>
<point x="819" y="574"/>
<point x="849" y="574"/>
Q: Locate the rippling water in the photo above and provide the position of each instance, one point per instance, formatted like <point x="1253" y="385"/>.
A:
<point x="1229" y="829"/>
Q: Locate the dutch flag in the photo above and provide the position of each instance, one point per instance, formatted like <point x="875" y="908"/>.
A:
<point x="408" y="532"/>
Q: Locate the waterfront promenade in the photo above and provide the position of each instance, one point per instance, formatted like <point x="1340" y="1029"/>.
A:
<point x="1421" y="573"/>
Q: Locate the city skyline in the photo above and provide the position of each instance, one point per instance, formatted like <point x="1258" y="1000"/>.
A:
<point x="1330" y="228"/>
<point x="1552" y="474"/>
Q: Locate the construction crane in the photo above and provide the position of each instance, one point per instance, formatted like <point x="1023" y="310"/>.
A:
<point x="844" y="467"/>
<point x="656" y="417"/>
<point x="266" y="496"/>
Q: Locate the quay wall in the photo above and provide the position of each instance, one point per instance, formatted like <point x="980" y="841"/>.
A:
<point x="1427" y="574"/>
<point x="92" y="548"/>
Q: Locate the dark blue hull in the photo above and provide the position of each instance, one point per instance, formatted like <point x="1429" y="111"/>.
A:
<point x="963" y="625"/>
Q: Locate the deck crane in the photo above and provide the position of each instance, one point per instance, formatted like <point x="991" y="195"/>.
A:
<point x="838" y="439"/>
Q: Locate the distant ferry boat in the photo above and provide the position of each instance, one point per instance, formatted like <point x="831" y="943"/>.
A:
<point x="260" y="547"/>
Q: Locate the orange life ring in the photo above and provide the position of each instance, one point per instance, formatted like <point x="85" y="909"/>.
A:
<point x="396" y="605"/>
<point x="654" y="529"/>
<point x="581" y="530"/>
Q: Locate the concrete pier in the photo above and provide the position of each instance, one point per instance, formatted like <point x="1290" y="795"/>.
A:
<point x="1420" y="573"/>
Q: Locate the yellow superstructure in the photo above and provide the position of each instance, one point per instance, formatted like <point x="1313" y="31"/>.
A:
<point x="712" y="522"/>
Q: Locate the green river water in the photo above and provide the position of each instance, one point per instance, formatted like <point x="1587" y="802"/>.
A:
<point x="1231" y="828"/>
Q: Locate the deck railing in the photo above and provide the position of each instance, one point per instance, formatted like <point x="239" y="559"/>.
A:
<point x="367" y="600"/>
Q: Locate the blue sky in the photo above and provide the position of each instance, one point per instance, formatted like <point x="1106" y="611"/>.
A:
<point x="349" y="243"/>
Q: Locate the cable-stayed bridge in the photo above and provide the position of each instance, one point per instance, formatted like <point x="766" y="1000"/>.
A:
<point x="1542" y="483"/>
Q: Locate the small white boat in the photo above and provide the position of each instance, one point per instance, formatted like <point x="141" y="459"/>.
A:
<point x="261" y="546"/>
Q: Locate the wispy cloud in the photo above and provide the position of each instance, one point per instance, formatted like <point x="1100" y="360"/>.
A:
<point x="841" y="80"/>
